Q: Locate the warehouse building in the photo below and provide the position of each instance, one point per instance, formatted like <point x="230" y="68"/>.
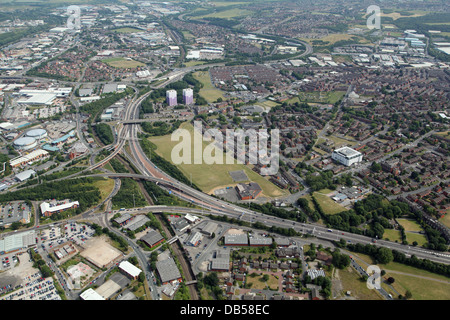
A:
<point x="209" y="229"/>
<point x="25" y="175"/>
<point x="236" y="240"/>
<point x="194" y="239"/>
<point x="91" y="294"/>
<point x="260" y="241"/>
<point x="152" y="238"/>
<point x="129" y="270"/>
<point x="29" y="158"/>
<point x="168" y="271"/>
<point x="17" y="241"/>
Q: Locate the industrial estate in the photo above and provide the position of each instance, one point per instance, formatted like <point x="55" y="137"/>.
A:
<point x="97" y="97"/>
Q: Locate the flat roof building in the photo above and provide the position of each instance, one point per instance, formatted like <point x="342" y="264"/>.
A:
<point x="168" y="271"/>
<point x="49" y="208"/>
<point x="129" y="269"/>
<point x="152" y="238"/>
<point x="236" y="240"/>
<point x="346" y="156"/>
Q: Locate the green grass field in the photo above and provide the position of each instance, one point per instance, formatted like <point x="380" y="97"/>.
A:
<point x="209" y="92"/>
<point x="411" y="229"/>
<point x="123" y="63"/>
<point x="328" y="205"/>
<point x="321" y="97"/>
<point x="437" y="287"/>
<point x="127" y="30"/>
<point x="228" y="14"/>
<point x="212" y="176"/>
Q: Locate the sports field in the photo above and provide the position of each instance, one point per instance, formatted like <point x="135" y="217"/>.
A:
<point x="123" y="63"/>
<point x="212" y="176"/>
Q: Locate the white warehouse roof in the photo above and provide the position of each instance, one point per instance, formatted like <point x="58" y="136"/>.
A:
<point x="130" y="268"/>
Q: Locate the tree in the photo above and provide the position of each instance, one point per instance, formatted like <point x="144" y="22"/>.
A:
<point x="391" y="280"/>
<point x="408" y="295"/>
<point x="384" y="255"/>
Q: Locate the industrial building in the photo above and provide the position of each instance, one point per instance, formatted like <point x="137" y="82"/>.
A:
<point x="248" y="191"/>
<point x="194" y="239"/>
<point x="17" y="241"/>
<point x="129" y="270"/>
<point x="152" y="238"/>
<point x="209" y="229"/>
<point x="346" y="156"/>
<point x="90" y="294"/>
<point x="29" y="158"/>
<point x="25" y="175"/>
<point x="236" y="239"/>
<point x="168" y="271"/>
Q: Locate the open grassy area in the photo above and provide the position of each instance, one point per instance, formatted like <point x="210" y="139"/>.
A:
<point x="228" y="14"/>
<point x="424" y="285"/>
<point x="211" y="176"/>
<point x="105" y="186"/>
<point x="258" y="283"/>
<point x="209" y="92"/>
<point x="127" y="30"/>
<point x="123" y="63"/>
<point x="328" y="205"/>
<point x="411" y="229"/>
<point x="446" y="219"/>
<point x="392" y="235"/>
<point x="352" y="282"/>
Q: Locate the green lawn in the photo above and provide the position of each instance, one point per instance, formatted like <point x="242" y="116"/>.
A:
<point x="410" y="279"/>
<point x="211" y="176"/>
<point x="123" y="63"/>
<point x="328" y="205"/>
<point x="321" y="97"/>
<point x="227" y="14"/>
<point x="392" y="235"/>
<point x="127" y="30"/>
<point x="209" y="92"/>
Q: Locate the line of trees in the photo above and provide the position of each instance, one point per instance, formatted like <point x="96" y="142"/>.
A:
<point x="104" y="133"/>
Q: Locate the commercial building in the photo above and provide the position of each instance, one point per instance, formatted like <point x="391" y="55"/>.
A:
<point x="29" y="158"/>
<point x="129" y="269"/>
<point x="25" y="143"/>
<point x="49" y="208"/>
<point x="260" y="241"/>
<point x="346" y="156"/>
<point x="36" y="133"/>
<point x="90" y="294"/>
<point x="17" y="242"/>
<point x="248" y="191"/>
<point x="194" y="239"/>
<point x="168" y="271"/>
<point x="152" y="238"/>
<point x="209" y="229"/>
<point x="171" y="98"/>
<point x="25" y="175"/>
<point x="236" y="240"/>
<point x="188" y="96"/>
<point x="221" y="261"/>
